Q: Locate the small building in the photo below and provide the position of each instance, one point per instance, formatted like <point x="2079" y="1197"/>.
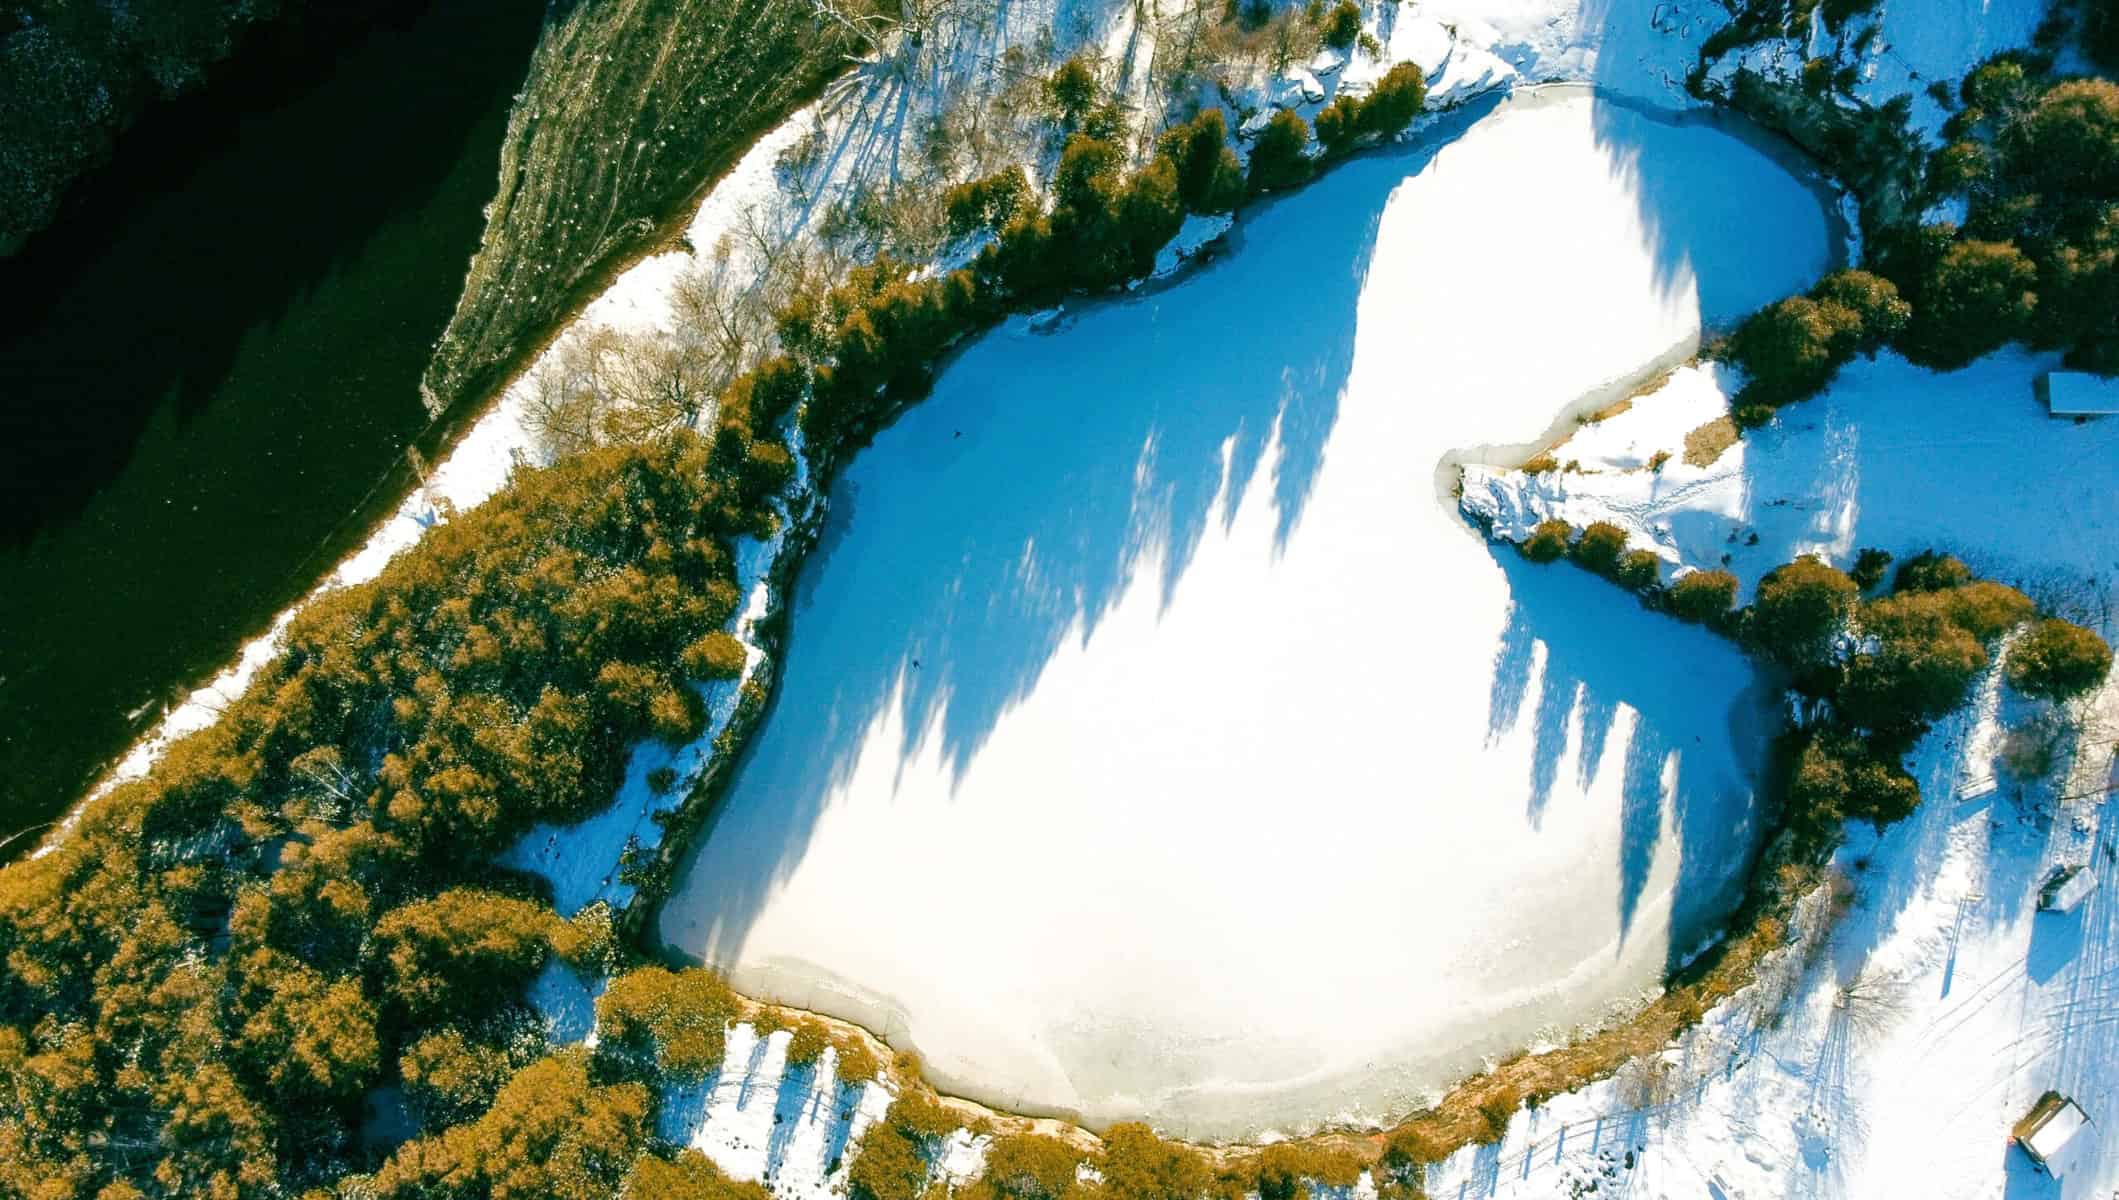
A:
<point x="2066" y="888"/>
<point x="2078" y="394"/>
<point x="2047" y="1129"/>
<point x="1977" y="791"/>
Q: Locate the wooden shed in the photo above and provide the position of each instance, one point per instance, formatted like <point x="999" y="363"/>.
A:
<point x="2066" y="888"/>
<point x="2048" y="1128"/>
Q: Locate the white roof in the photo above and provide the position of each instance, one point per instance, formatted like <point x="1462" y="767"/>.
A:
<point x="2058" y="1129"/>
<point x="2077" y="393"/>
<point x="2069" y="892"/>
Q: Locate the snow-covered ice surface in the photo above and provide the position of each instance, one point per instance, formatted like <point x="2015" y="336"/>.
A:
<point x="2004" y="1004"/>
<point x="1152" y="741"/>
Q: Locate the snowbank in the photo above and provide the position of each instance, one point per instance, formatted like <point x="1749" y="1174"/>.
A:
<point x="1891" y="455"/>
<point x="1194" y="236"/>
<point x="1117" y="763"/>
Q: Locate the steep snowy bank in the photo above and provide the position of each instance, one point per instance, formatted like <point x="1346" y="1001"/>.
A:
<point x="1133" y="638"/>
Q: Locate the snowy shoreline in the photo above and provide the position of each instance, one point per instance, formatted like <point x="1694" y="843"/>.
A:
<point x="494" y="441"/>
<point x="1744" y="1105"/>
<point x="945" y="836"/>
<point x="573" y="856"/>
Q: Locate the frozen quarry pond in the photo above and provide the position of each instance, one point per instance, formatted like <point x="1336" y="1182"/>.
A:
<point x="1155" y="742"/>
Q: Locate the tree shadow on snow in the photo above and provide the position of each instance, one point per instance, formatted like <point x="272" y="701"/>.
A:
<point x="792" y="1105"/>
<point x="2022" y="1181"/>
<point x="1601" y="653"/>
<point x="1002" y="518"/>
<point x="1699" y="247"/>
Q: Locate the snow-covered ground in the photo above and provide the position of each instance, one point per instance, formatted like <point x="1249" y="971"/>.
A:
<point x="1152" y="742"/>
<point x="1891" y="456"/>
<point x="1945" y="1004"/>
<point x="1986" y="1004"/>
<point x="1902" y="48"/>
<point x="760" y="1117"/>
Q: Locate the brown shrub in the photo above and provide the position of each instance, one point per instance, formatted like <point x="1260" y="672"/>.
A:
<point x="1548" y="541"/>
<point x="1027" y="1166"/>
<point x="2058" y="659"/>
<point x="1703" y="596"/>
<point x="806" y="1042"/>
<point x="1138" y="1165"/>
<point x="1600" y="546"/>
<point x="1639" y="569"/>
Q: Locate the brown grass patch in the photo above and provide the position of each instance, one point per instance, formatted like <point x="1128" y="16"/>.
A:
<point x="1705" y="444"/>
<point x="1607" y="412"/>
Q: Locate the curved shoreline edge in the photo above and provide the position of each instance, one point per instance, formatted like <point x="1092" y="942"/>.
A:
<point x="1712" y="972"/>
<point x="1599" y="1054"/>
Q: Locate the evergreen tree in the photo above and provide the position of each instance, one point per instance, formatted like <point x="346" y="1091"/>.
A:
<point x="1277" y="159"/>
<point x="1703" y="596"/>
<point x="1798" y="610"/>
<point x="2059" y="659"/>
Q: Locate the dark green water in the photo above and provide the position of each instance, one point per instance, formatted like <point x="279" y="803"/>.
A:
<point x="209" y="370"/>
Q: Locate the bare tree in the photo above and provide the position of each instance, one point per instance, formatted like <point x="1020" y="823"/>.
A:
<point x="564" y="398"/>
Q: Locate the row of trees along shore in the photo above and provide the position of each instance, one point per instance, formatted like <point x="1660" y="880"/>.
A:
<point x="1877" y="666"/>
<point x="2036" y="160"/>
<point x="209" y="977"/>
<point x="2031" y="159"/>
